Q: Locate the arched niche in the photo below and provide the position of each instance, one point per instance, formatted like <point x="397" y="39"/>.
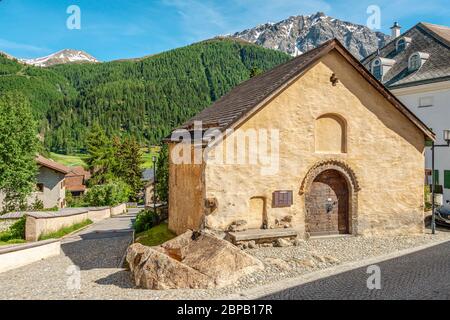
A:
<point x="331" y="134"/>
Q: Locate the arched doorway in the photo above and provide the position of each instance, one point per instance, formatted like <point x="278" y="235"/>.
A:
<point x="327" y="204"/>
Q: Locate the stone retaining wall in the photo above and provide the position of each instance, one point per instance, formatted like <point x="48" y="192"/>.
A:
<point x="16" y="256"/>
<point x="99" y="214"/>
<point x="119" y="209"/>
<point x="39" y="223"/>
<point x="36" y="226"/>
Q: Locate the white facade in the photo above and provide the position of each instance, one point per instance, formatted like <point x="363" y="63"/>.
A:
<point x="431" y="104"/>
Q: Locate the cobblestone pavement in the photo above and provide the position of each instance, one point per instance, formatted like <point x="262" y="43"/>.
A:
<point x="421" y="275"/>
<point x="98" y="251"/>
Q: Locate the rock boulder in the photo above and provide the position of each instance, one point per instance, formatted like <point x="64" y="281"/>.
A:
<point x="204" y="261"/>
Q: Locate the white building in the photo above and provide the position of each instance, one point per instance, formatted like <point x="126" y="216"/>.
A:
<point x="50" y="185"/>
<point x="415" y="66"/>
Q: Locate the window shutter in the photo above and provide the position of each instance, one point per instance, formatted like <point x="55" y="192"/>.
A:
<point x="436" y="175"/>
<point x="447" y="179"/>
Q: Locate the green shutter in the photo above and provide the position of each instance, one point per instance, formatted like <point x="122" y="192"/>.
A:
<point x="436" y="174"/>
<point x="447" y="179"/>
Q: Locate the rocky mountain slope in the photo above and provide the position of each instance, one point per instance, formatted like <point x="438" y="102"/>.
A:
<point x="299" y="34"/>
<point x="61" y="57"/>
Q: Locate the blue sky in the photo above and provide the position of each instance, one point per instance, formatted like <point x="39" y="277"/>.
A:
<point x="114" y="29"/>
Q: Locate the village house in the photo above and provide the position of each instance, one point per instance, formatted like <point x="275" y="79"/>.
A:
<point x="76" y="179"/>
<point x="345" y="155"/>
<point x="415" y="66"/>
<point x="50" y="184"/>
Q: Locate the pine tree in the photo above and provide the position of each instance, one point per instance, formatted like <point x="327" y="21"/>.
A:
<point x="101" y="158"/>
<point x="162" y="175"/>
<point x="129" y="160"/>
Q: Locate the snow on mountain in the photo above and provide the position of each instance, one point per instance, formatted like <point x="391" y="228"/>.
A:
<point x="61" y="57"/>
<point x="299" y="34"/>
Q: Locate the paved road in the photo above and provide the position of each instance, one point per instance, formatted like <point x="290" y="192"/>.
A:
<point x="97" y="251"/>
<point x="420" y="275"/>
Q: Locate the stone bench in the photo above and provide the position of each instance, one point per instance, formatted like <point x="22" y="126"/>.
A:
<point x="262" y="235"/>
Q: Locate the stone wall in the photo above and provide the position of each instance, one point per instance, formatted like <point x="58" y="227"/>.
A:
<point x="119" y="209"/>
<point x="24" y="254"/>
<point x="37" y="225"/>
<point x="186" y="196"/>
<point x="383" y="149"/>
<point x="99" y="214"/>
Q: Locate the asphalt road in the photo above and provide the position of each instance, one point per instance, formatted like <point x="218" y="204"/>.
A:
<point x="422" y="275"/>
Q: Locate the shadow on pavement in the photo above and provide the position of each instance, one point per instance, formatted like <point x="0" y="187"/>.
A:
<point x="121" y="279"/>
<point x="97" y="250"/>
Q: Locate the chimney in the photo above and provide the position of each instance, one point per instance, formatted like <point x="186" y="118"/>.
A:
<point x="395" y="30"/>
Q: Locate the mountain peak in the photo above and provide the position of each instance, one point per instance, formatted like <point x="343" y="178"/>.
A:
<point x="62" y="57"/>
<point x="298" y="34"/>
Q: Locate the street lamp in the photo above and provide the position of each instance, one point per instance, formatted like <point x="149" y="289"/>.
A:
<point x="154" y="183"/>
<point x="433" y="178"/>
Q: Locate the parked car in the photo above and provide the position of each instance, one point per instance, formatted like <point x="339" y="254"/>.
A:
<point x="443" y="215"/>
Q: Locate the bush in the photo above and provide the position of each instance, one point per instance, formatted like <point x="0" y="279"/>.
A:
<point x="146" y="220"/>
<point x="75" y="202"/>
<point x="427" y="201"/>
<point x="15" y="232"/>
<point x="110" y="194"/>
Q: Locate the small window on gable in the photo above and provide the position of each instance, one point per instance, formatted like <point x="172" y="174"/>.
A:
<point x="401" y="45"/>
<point x="377" y="69"/>
<point x="414" y="62"/>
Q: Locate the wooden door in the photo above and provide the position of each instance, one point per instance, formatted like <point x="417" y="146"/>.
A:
<point x="327" y="205"/>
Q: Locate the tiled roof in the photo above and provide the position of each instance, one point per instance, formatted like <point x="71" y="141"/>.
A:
<point x="52" y="164"/>
<point x="427" y="38"/>
<point x="245" y="99"/>
<point x="75" y="188"/>
<point x="79" y="171"/>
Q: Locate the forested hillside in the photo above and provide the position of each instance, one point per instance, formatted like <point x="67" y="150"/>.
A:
<point x="144" y="98"/>
<point x="44" y="88"/>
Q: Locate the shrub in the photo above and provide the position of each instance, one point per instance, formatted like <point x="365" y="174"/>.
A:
<point x="146" y="220"/>
<point x="15" y="232"/>
<point x="75" y="202"/>
<point x="110" y="194"/>
<point x="427" y="194"/>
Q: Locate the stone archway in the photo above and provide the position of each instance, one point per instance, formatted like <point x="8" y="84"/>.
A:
<point x="330" y="191"/>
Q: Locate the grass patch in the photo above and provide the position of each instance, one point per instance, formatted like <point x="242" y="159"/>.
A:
<point x="12" y="241"/>
<point x="65" y="231"/>
<point x="147" y="156"/>
<point x="155" y="236"/>
<point x="69" y="160"/>
<point x="79" y="159"/>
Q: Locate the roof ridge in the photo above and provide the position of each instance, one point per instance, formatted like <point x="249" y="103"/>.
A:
<point x="433" y="33"/>
<point x="255" y="78"/>
<point x="247" y="98"/>
<point x="388" y="43"/>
